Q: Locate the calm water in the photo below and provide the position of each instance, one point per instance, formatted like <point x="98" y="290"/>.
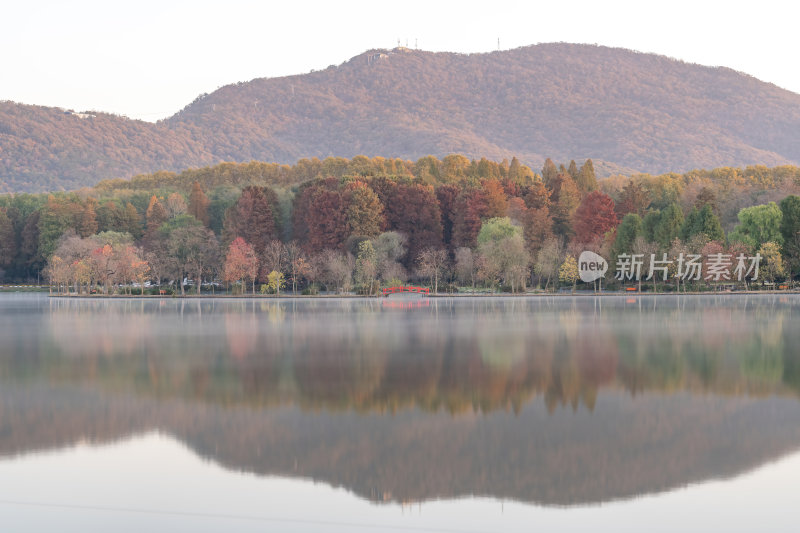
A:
<point x="617" y="414"/>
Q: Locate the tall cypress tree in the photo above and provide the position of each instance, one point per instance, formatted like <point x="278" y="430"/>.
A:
<point x="198" y="204"/>
<point x="587" y="181"/>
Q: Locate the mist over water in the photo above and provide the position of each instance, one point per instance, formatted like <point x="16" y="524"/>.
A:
<point x="554" y="403"/>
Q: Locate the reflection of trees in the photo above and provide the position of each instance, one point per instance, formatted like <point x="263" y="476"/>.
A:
<point x="302" y="388"/>
<point x="356" y="354"/>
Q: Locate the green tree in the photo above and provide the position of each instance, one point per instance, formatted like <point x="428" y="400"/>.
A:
<point x="496" y="229"/>
<point x="757" y="225"/>
<point x="366" y="267"/>
<point x="702" y="221"/>
<point x="790" y="231"/>
<point x="628" y="231"/>
<point x="669" y="225"/>
<point x="8" y="240"/>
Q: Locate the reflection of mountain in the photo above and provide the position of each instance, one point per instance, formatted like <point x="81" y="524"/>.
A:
<point x="623" y="449"/>
<point x="453" y="399"/>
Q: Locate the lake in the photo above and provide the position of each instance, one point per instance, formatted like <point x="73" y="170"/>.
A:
<point x="442" y="414"/>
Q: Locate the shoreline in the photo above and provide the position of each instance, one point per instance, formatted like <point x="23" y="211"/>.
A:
<point x="579" y="294"/>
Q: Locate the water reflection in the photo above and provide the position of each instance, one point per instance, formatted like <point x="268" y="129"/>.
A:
<point x="554" y="400"/>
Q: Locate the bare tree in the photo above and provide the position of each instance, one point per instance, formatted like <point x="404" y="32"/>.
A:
<point x="432" y="263"/>
<point x="549" y="259"/>
<point x="466" y="266"/>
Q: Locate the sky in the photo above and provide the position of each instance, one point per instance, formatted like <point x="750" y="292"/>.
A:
<point x="148" y="59"/>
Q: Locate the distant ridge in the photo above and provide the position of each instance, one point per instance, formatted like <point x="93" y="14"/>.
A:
<point x="628" y="111"/>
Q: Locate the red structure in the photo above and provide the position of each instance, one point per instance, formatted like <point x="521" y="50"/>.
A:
<point x="409" y="289"/>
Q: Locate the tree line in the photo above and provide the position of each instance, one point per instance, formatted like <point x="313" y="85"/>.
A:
<point x="361" y="223"/>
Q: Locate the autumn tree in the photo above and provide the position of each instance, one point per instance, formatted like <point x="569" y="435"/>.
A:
<point x="131" y="221"/>
<point x="364" y="210"/>
<point x="241" y="263"/>
<point x="273" y="258"/>
<point x="447" y="195"/>
<point x="633" y="199"/>
<point x="88" y="221"/>
<point x="326" y="221"/>
<point x="198" y="204"/>
<point x="495" y="198"/>
<point x="193" y="249"/>
<point x="175" y="205"/>
<point x="565" y="198"/>
<point x="771" y="267"/>
<point x="155" y="215"/>
<point x="254" y="218"/>
<point x="568" y="272"/>
<point x="595" y="217"/>
<point x="573" y="171"/>
<point x="413" y="210"/>
<point x="109" y="216"/>
<point x="549" y="173"/>
<point x="587" y="181"/>
<point x="470" y="210"/>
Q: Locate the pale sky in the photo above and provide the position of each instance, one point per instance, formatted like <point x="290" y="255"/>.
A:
<point x="148" y="59"/>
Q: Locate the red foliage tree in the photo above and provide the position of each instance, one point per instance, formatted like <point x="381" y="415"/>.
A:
<point x="495" y="198"/>
<point x="412" y="209"/>
<point x="254" y="217"/>
<point x="594" y="217"/>
<point x="538" y="228"/>
<point x="326" y="221"/>
<point x="446" y="195"/>
<point x="469" y="211"/>
<point x="241" y="262"/>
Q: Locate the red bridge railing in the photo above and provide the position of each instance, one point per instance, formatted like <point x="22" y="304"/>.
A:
<point x="411" y="289"/>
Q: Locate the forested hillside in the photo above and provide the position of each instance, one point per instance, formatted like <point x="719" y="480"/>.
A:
<point x="358" y="224"/>
<point x="625" y="110"/>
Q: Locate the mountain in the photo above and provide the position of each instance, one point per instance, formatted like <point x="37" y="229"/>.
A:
<point x="627" y="111"/>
